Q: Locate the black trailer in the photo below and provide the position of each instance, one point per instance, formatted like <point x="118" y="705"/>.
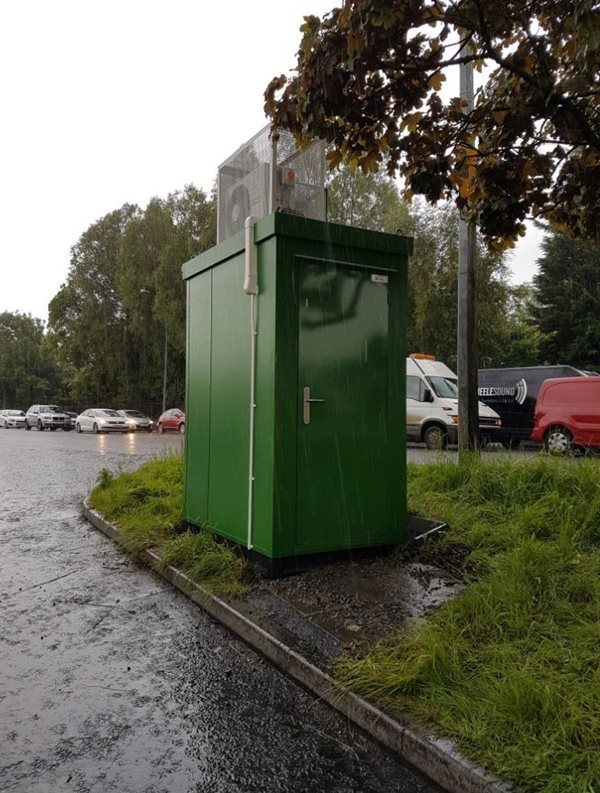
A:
<point x="512" y="394"/>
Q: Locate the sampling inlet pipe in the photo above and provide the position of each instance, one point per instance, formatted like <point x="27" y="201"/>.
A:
<point x="251" y="289"/>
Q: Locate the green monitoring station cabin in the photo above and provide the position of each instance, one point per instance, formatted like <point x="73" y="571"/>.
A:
<point x="295" y="393"/>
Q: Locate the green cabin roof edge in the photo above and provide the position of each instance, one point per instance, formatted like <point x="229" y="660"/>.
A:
<point x="282" y="225"/>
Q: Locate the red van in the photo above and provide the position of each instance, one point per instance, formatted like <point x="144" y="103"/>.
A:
<point x="567" y="413"/>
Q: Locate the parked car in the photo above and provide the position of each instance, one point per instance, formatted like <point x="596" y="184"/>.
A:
<point x="567" y="414"/>
<point x="70" y="418"/>
<point x="512" y="393"/>
<point x="49" y="417"/>
<point x="432" y="404"/>
<point x="173" y="419"/>
<point x="136" y="420"/>
<point x="12" y="418"/>
<point x="100" y="420"/>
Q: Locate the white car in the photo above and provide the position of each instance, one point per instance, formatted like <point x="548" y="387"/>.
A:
<point x="12" y="418"/>
<point x="100" y="420"/>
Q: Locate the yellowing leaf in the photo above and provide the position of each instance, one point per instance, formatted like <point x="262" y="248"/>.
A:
<point x="354" y="44"/>
<point x="352" y="161"/>
<point x="528" y="65"/>
<point x="334" y="158"/>
<point x="370" y="162"/>
<point x="464" y="175"/>
<point x="527" y="168"/>
<point x="435" y="81"/>
<point x="410" y="122"/>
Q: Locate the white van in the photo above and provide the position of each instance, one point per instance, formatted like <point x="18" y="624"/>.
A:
<point x="432" y="405"/>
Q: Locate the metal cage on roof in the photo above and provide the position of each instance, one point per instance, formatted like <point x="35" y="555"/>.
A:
<point x="268" y="175"/>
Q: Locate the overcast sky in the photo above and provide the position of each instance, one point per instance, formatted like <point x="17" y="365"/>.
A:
<point x="109" y="102"/>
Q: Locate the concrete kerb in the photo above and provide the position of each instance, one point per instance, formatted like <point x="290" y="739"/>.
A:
<point x="437" y="759"/>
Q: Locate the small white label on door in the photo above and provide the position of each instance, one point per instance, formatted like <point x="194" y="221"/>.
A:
<point x="377" y="278"/>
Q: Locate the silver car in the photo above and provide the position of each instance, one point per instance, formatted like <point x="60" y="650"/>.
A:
<point x="100" y="420"/>
<point x="136" y="420"/>
<point x="49" y="417"/>
<point x="12" y="418"/>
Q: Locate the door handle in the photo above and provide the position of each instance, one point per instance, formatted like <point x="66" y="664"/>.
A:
<point x="306" y="402"/>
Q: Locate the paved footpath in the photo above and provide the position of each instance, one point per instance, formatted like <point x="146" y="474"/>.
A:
<point x="111" y="681"/>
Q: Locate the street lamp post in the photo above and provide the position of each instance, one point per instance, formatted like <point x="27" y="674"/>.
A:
<point x="165" y="362"/>
<point x="145" y="291"/>
<point x="11" y="333"/>
<point x="2" y="372"/>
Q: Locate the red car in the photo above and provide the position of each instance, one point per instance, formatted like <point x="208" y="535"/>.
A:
<point x="567" y="413"/>
<point x="173" y="419"/>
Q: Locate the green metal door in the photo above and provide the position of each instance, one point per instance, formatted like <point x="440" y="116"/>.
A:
<point x="343" y="464"/>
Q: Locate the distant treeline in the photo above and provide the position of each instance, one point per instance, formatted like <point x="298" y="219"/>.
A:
<point x="124" y="300"/>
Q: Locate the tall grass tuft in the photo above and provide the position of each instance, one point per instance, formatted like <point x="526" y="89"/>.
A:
<point x="215" y="566"/>
<point x="510" y="669"/>
<point x="145" y="507"/>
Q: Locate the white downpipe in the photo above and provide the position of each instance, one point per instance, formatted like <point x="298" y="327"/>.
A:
<point x="251" y="288"/>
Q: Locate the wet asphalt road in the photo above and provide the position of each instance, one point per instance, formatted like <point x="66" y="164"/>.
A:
<point x="112" y="681"/>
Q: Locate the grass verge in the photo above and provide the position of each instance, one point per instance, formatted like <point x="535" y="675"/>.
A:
<point x="145" y="507"/>
<point x="510" y="669"/>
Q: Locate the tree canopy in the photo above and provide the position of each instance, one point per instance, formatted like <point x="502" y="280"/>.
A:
<point x="28" y="369"/>
<point x="367" y="200"/>
<point x="432" y="286"/>
<point x="567" y="296"/>
<point x="124" y="297"/>
<point x="507" y="335"/>
<point x="86" y="316"/>
<point x="369" y="77"/>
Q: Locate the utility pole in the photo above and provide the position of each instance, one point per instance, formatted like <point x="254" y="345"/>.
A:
<point x="468" y="408"/>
